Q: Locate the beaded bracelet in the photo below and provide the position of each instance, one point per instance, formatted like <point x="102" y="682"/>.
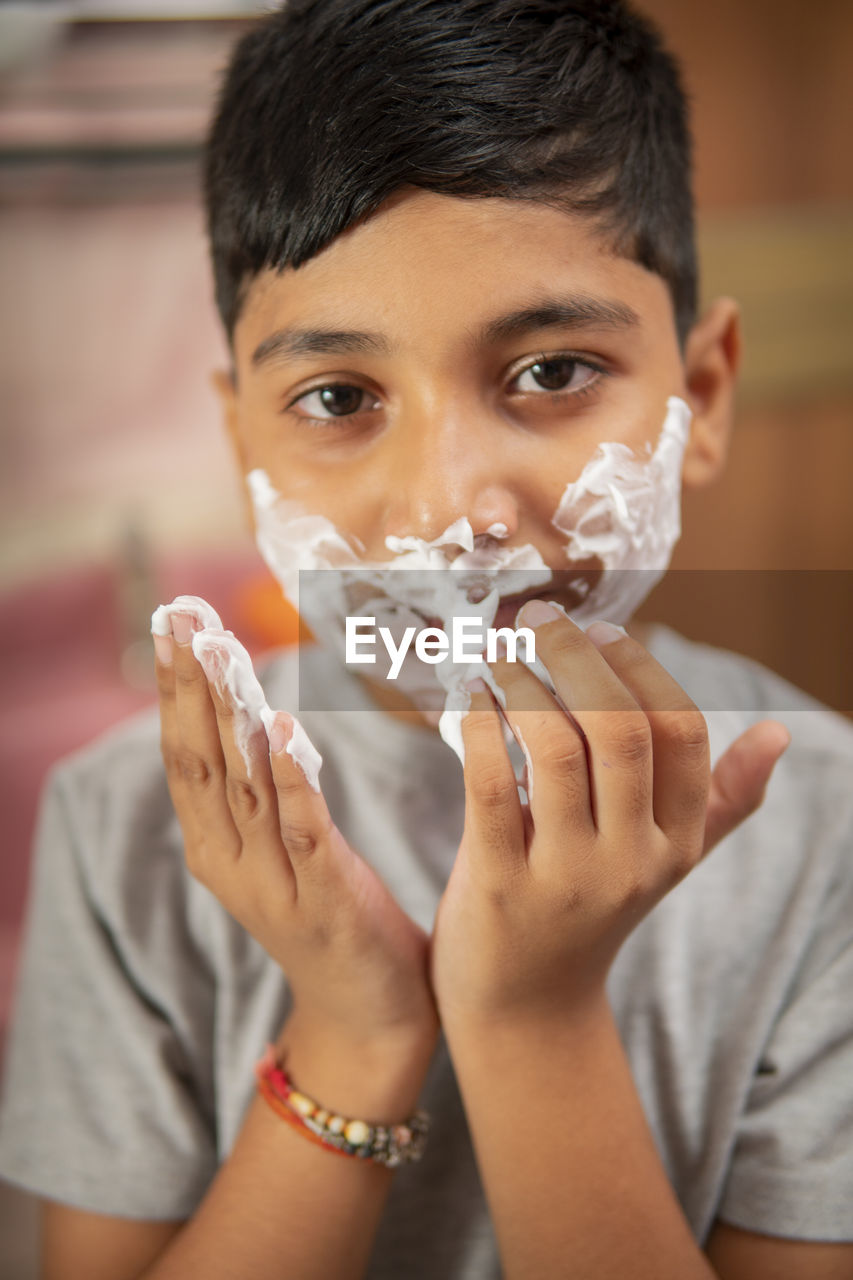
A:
<point x="390" y="1145"/>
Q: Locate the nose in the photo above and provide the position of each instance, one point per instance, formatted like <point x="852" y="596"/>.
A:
<point x="446" y="466"/>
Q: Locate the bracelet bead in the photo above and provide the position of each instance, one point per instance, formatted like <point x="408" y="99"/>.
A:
<point x="390" y="1145"/>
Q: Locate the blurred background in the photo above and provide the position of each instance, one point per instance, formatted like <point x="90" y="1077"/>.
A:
<point x="116" y="488"/>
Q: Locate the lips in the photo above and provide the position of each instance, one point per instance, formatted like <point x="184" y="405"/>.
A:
<point x="509" y="607"/>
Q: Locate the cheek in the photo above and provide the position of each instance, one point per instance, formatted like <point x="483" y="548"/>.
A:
<point x="625" y="511"/>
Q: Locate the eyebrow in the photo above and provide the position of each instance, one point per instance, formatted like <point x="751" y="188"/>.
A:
<point x="573" y="312"/>
<point x="289" y="343"/>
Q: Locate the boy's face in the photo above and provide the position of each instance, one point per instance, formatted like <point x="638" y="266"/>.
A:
<point x="451" y="357"/>
<point x="454" y="358"/>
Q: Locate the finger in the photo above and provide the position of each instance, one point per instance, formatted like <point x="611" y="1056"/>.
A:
<point x="201" y="614"/>
<point x="740" y="778"/>
<point x="236" y="698"/>
<point x="304" y="823"/>
<point x="494" y="825"/>
<point x="554" y="747"/>
<point x="680" y="752"/>
<point x="617" y="732"/>
<point x="199" y="760"/>
<point x="164" y="670"/>
<point x="272" y="788"/>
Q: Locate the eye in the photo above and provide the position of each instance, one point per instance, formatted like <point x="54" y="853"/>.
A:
<point x="556" y="374"/>
<point x="335" y="400"/>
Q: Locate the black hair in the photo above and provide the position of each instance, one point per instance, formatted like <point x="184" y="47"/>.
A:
<point x="330" y="106"/>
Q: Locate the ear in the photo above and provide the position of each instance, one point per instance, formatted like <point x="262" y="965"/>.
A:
<point x="225" y="386"/>
<point x="223" y="383"/>
<point x="711" y="362"/>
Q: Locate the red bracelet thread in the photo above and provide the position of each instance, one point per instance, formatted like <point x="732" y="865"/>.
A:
<point x="390" y="1145"/>
<point x="283" y="1110"/>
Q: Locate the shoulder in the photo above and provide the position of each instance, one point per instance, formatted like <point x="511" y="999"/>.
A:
<point x="770" y="910"/>
<point x="116" y="786"/>
<point x="800" y="841"/>
<point x="781" y="882"/>
<point x="108" y="825"/>
<point x="733" y="994"/>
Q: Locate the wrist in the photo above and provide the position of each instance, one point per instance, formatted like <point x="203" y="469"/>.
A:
<point x="531" y="1030"/>
<point x="378" y="1080"/>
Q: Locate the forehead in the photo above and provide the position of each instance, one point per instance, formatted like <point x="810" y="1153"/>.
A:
<point x="425" y="263"/>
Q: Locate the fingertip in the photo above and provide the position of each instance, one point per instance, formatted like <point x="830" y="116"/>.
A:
<point x="183" y="627"/>
<point x="280" y="731"/>
<point x="479" y="698"/>
<point x="777" y="735"/>
<point x="287" y="738"/>
<point x="161" y="623"/>
<point x="603" y="633"/>
<point x="163" y="649"/>
<point x="480" y="707"/>
<point x="211" y="662"/>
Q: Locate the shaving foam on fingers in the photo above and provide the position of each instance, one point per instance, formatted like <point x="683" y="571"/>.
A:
<point x="235" y="682"/>
<point x="528" y="778"/>
<point x="300" y="748"/>
<point x="204" y="614"/>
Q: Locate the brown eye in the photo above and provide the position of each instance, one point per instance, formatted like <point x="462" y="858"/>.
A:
<point x="338" y="399"/>
<point x="334" y="400"/>
<point x="558" y="374"/>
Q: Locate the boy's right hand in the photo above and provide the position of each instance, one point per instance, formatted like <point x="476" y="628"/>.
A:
<point x="262" y="840"/>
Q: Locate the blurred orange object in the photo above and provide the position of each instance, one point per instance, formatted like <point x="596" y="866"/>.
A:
<point x="265" y="616"/>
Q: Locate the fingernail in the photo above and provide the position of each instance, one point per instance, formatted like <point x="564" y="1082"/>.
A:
<point x="602" y="633"/>
<point x="536" y="613"/>
<point x="477" y="685"/>
<point x="280" y="731"/>
<point x="182" y="627"/>
<point x="163" y="650"/>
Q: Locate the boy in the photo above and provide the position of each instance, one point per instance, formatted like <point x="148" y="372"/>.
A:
<point x="453" y="250"/>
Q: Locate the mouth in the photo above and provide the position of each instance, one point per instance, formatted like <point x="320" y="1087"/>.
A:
<point x="567" y="598"/>
<point x="510" y="605"/>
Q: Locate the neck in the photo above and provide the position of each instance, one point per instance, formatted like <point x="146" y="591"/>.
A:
<point x="396" y="704"/>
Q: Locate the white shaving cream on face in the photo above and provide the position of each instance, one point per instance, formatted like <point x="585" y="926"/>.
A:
<point x="230" y="668"/>
<point x="623" y="511"/>
<point x="291" y="541"/>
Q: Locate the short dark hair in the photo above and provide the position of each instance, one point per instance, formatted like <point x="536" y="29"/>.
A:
<point x="330" y="106"/>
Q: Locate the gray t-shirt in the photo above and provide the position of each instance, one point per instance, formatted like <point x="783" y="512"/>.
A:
<point x="142" y="1006"/>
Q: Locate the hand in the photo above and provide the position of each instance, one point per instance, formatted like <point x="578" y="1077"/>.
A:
<point x="623" y="806"/>
<point x="262" y="840"/>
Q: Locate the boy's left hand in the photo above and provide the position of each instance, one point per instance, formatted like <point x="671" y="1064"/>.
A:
<point x="623" y="806"/>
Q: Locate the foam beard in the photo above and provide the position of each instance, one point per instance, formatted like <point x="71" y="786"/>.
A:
<point x="622" y="513"/>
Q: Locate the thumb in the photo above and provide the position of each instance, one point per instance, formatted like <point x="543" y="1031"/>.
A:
<point x="740" y="778"/>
